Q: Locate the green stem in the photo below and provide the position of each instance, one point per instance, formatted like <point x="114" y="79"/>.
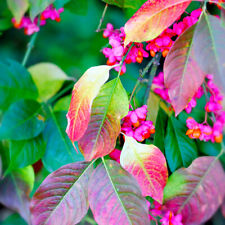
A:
<point x="102" y="18"/>
<point x="29" y="48"/>
<point x="151" y="76"/>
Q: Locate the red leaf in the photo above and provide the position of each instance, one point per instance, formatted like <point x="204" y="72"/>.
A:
<point x="148" y="165"/>
<point x="197" y="191"/>
<point x="115" y="197"/>
<point x="84" y="92"/>
<point x="62" y="197"/>
<point x="182" y="74"/>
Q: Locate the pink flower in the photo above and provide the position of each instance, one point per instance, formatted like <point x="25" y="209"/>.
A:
<point x="170" y="219"/>
<point x="136" y="126"/>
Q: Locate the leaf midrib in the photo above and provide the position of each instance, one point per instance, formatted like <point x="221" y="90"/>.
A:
<point x="115" y="190"/>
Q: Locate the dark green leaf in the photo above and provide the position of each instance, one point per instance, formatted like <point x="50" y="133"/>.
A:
<point x="180" y="149"/>
<point x="15" y="189"/>
<point x="59" y="150"/>
<point x="160" y="130"/>
<point x="23" y="120"/>
<point x="26" y="152"/>
<point x="15" y="83"/>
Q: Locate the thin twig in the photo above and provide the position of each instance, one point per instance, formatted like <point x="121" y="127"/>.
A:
<point x="102" y="18"/>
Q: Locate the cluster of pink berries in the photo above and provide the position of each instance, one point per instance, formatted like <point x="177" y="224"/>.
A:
<point x="135" y="124"/>
<point x="204" y="131"/>
<point x="117" y="51"/>
<point x="160" y="89"/>
<point x="31" y="27"/>
<point x="162" y="43"/>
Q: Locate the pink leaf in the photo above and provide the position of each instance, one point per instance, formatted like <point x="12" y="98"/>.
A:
<point x="148" y="165"/>
<point x="84" y="92"/>
<point x="62" y="197"/>
<point x="115" y="197"/>
<point x="197" y="191"/>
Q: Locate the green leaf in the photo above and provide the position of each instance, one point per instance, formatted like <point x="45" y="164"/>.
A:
<point x="79" y="7"/>
<point x="209" y="42"/>
<point x="48" y="78"/>
<point x="15" y="83"/>
<point x="23" y="120"/>
<point x="59" y="149"/>
<point x="18" y="8"/>
<point x="15" y="189"/>
<point x="115" y="196"/>
<point x="26" y="152"/>
<point x="63" y="104"/>
<point x="38" y="6"/>
<point x="108" y="108"/>
<point x="13" y="219"/>
<point x="180" y="150"/>
<point x="160" y="130"/>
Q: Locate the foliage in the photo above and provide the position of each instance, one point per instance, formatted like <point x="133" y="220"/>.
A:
<point x="136" y="141"/>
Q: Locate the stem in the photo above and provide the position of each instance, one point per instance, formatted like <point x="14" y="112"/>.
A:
<point x="102" y="18"/>
<point x="141" y="76"/>
<point x="151" y="76"/>
<point x="29" y="48"/>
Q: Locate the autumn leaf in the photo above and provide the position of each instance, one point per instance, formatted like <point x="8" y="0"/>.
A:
<point x="148" y="165"/>
<point x="115" y="196"/>
<point x="109" y="107"/>
<point x="84" y="92"/>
